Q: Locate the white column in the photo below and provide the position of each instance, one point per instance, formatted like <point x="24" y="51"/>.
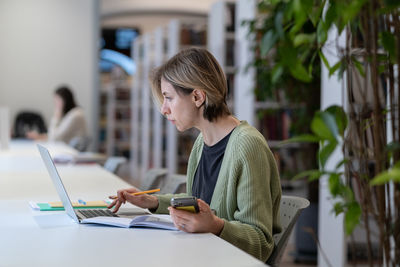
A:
<point x="157" y="117"/>
<point x="245" y="77"/>
<point x="173" y="48"/>
<point x="216" y="31"/>
<point x="135" y="110"/>
<point x="4" y="128"/>
<point x="145" y="106"/>
<point x="330" y="227"/>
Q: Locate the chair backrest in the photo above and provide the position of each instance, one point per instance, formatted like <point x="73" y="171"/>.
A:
<point x="176" y="183"/>
<point x="154" y="178"/>
<point x="290" y="209"/>
<point x="28" y="121"/>
<point x="113" y="163"/>
<point x="80" y="143"/>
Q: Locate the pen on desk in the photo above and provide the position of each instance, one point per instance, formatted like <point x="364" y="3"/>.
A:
<point x="139" y="193"/>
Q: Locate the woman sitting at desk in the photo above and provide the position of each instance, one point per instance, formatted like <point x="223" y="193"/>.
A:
<point x="231" y="169"/>
<point x="68" y="120"/>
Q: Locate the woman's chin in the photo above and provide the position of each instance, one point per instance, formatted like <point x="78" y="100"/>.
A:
<point x="181" y="129"/>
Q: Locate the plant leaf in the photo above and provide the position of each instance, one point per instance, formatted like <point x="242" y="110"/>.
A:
<point x="303" y="38"/>
<point x="334" y="184"/>
<point x="338" y="207"/>
<point x="340" y="118"/>
<point x="392" y="3"/>
<point x="389" y="43"/>
<point x="276" y="73"/>
<point x="315" y="15"/>
<point x="299" y="72"/>
<point x="341" y="163"/>
<point x="335" y="67"/>
<point x="304" y="138"/>
<point x="323" y="125"/>
<point x="359" y="66"/>
<point x="352" y="217"/>
<point x="387" y="176"/>
<point x="322" y="33"/>
<point x="326" y="151"/>
<point x="278" y="24"/>
<point x="268" y="41"/>
<point x="324" y="60"/>
<point x="311" y="174"/>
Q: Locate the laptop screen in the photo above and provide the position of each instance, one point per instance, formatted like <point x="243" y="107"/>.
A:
<point x="55" y="177"/>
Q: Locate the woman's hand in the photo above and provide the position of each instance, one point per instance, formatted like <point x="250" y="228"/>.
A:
<point x="202" y="222"/>
<point x="144" y="201"/>
<point x="34" y="135"/>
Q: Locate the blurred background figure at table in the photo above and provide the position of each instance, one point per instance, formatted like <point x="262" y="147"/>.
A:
<point x="68" y="123"/>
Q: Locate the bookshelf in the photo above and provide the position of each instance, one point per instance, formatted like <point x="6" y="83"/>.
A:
<point x="114" y="113"/>
<point x="155" y="143"/>
<point x="118" y="120"/>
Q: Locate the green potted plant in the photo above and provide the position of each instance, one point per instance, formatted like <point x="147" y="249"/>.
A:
<point x="366" y="181"/>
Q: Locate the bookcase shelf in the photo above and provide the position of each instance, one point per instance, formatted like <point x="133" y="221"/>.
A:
<point x="155" y="142"/>
<point x="118" y="118"/>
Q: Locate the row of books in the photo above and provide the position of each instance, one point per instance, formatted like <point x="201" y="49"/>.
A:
<point x="275" y="124"/>
<point x="191" y="36"/>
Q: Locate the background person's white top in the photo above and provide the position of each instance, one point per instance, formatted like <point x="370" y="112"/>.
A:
<point x="73" y="124"/>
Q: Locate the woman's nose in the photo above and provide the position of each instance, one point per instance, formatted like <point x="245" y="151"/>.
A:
<point x="164" y="109"/>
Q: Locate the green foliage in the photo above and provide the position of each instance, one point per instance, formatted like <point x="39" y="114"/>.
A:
<point x="291" y="36"/>
<point x="328" y="129"/>
<point x="387" y="176"/>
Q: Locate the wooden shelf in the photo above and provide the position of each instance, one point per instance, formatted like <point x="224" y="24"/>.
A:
<point x="278" y="144"/>
<point x="276" y="105"/>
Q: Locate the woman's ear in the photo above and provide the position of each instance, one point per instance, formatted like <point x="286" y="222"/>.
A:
<point x="199" y="97"/>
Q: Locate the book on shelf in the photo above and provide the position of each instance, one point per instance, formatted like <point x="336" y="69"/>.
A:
<point x="276" y="125"/>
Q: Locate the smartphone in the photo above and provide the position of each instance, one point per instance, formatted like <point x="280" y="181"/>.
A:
<point x="185" y="203"/>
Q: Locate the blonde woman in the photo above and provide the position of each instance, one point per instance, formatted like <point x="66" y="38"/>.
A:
<point x="231" y="170"/>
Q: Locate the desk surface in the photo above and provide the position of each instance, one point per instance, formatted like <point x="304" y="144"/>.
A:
<point x="32" y="238"/>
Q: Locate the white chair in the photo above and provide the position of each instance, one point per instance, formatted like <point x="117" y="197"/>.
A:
<point x="80" y="143"/>
<point x="290" y="209"/>
<point x="112" y="164"/>
<point x="154" y="178"/>
<point x="176" y="183"/>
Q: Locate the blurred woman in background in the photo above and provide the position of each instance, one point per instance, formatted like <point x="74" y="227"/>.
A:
<point x="68" y="121"/>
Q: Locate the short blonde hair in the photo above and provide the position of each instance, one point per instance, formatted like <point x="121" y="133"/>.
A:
<point x="194" y="68"/>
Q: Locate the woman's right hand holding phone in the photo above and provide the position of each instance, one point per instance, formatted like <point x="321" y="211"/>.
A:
<point x="144" y="201"/>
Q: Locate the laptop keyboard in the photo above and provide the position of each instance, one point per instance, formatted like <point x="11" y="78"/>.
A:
<point x="97" y="213"/>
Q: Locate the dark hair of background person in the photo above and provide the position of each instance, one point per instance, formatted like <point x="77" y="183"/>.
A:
<point x="68" y="98"/>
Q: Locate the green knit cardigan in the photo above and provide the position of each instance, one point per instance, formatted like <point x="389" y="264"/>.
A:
<point x="247" y="193"/>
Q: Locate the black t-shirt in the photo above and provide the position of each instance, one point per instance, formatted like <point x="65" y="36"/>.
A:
<point x="207" y="171"/>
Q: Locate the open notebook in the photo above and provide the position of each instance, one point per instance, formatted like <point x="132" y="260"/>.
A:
<point x="149" y="221"/>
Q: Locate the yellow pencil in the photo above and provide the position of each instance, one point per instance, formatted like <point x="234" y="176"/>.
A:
<point x="139" y="193"/>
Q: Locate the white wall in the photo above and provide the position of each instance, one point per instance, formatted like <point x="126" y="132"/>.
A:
<point x="45" y="43"/>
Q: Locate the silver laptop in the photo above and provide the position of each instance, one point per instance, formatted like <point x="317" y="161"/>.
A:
<point x="77" y="214"/>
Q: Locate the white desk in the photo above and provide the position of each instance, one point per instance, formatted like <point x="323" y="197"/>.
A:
<point x="32" y="238"/>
